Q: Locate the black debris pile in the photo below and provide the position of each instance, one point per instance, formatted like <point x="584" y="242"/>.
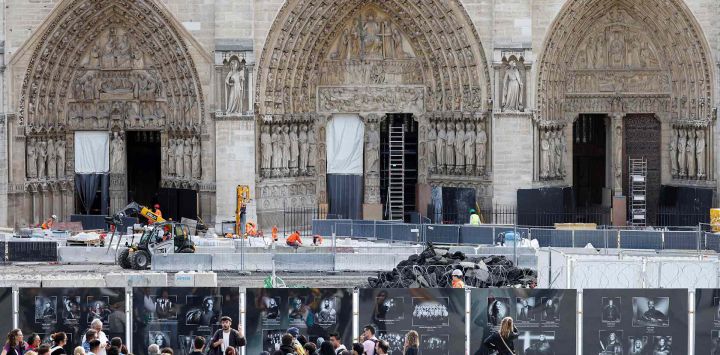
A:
<point x="434" y="266"/>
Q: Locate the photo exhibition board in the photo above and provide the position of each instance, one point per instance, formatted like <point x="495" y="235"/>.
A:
<point x="174" y="316"/>
<point x="437" y="314"/>
<point x="707" y="321"/>
<point x="635" y="321"/>
<point x="545" y="319"/>
<point x="316" y="312"/>
<point x="71" y="310"/>
<point x="6" y="310"/>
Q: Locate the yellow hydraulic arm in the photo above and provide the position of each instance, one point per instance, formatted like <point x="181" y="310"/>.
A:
<point x="243" y="198"/>
<point x="147" y="213"/>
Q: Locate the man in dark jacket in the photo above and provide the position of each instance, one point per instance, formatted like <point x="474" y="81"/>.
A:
<point x="287" y="344"/>
<point x="226" y="337"/>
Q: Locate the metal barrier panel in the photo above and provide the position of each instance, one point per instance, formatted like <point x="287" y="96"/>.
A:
<point x="405" y="232"/>
<point x="363" y="229"/>
<point x="598" y="238"/>
<point x="543" y="236"/>
<point x="3" y="256"/>
<point x="630" y="239"/>
<point x="32" y="251"/>
<point x="681" y="240"/>
<point x="712" y="241"/>
<point x="445" y="234"/>
<point x="561" y="238"/>
<point x="476" y="235"/>
<point x="499" y="230"/>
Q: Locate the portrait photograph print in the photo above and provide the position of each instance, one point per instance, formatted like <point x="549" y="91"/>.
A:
<point x="550" y="309"/>
<point x="165" y="306"/>
<point x="395" y="340"/>
<point x="272" y="339"/>
<point x="160" y="338"/>
<point x="525" y="309"/>
<point x="388" y="308"/>
<point x="611" y="342"/>
<point x="203" y="310"/>
<point x="537" y="342"/>
<point x="651" y="312"/>
<point x="98" y="308"/>
<point x="435" y="344"/>
<point x="45" y="309"/>
<point x="298" y="311"/>
<point x="328" y="311"/>
<point x="430" y="313"/>
<point x="715" y="341"/>
<point x="498" y="308"/>
<point x="662" y="345"/>
<point x="611" y="309"/>
<point x="271" y="311"/>
<point x="71" y="311"/>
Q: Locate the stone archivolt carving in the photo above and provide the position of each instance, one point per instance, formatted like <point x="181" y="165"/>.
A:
<point x="340" y="42"/>
<point x="45" y="157"/>
<point x="456" y="144"/>
<point x="371" y="99"/>
<point x="553" y="148"/>
<point x="288" y="146"/>
<point x="183" y="156"/>
<point x="688" y="149"/>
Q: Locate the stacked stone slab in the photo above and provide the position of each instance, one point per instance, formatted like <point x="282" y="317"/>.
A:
<point x="434" y="266"/>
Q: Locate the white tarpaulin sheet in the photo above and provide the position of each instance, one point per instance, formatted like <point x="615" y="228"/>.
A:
<point x="92" y="152"/>
<point x="345" y="133"/>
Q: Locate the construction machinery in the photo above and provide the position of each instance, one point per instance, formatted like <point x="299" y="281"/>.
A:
<point x="243" y="198"/>
<point x="161" y="237"/>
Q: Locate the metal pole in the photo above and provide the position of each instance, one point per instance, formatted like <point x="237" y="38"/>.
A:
<point x="128" y="318"/>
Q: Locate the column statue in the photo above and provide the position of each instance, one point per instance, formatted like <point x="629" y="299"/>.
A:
<point x="551" y="156"/>
<point x="440" y="147"/>
<point x="430" y="144"/>
<point x="196" y="168"/>
<point x="559" y="152"/>
<point x="480" y="149"/>
<point x="42" y="159"/>
<point x="187" y="159"/>
<point x="450" y="149"/>
<point x="285" y="146"/>
<point x="459" y="147"/>
<point x="470" y="137"/>
<point x="372" y="151"/>
<point x="512" y="88"/>
<point x="32" y="159"/>
<point x="117" y="154"/>
<point x="303" y="146"/>
<point x="60" y="147"/>
<point x="544" y="154"/>
<point x="171" y="157"/>
<point x="294" y="150"/>
<point x="700" y="153"/>
<point x="51" y="160"/>
<point x="179" y="153"/>
<point x="312" y="148"/>
<point x="277" y="151"/>
<point x="690" y="153"/>
<point x="265" y="151"/>
<point x="673" y="153"/>
<point x="682" y="147"/>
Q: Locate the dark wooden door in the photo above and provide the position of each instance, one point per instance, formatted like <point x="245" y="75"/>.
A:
<point x="642" y="140"/>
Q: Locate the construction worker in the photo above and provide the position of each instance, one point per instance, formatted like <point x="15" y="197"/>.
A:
<point x="294" y="240"/>
<point x="156" y="211"/>
<point x="274" y="234"/>
<point x="474" y="218"/>
<point x="250" y="229"/>
<point x="317" y="240"/>
<point x="49" y="222"/>
<point x="457" y="281"/>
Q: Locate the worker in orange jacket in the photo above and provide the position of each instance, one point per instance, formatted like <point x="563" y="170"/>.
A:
<point x="274" y="234"/>
<point x="294" y="240"/>
<point x="457" y="281"/>
<point x="48" y="224"/>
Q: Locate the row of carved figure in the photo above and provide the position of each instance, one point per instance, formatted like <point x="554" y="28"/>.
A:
<point x="45" y="158"/>
<point x="457" y="148"/>
<point x="183" y="161"/>
<point x="687" y="153"/>
<point x="288" y="150"/>
<point x="552" y="154"/>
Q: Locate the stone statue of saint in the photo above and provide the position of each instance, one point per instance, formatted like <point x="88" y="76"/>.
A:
<point x="235" y="81"/>
<point x="450" y="148"/>
<point x="196" y="168"/>
<point x="312" y="147"/>
<point x="459" y="147"/>
<point x="117" y="154"/>
<point x="51" y="160"/>
<point x="480" y="148"/>
<point x="551" y="155"/>
<point x="469" y="151"/>
<point x="440" y="144"/>
<point x="265" y="150"/>
<point x="512" y="89"/>
<point x="691" y="153"/>
<point x="681" y="147"/>
<point x="700" y="153"/>
<point x="42" y="159"/>
<point x="187" y="159"/>
<point x="673" y="153"/>
<point x="559" y="154"/>
<point x="545" y="155"/>
<point x="304" y="152"/>
<point x="32" y="159"/>
<point x="294" y="150"/>
<point x="60" y="148"/>
<point x="171" y="157"/>
<point x="285" y="146"/>
<point x="276" y="151"/>
<point x="179" y="154"/>
<point x="430" y="143"/>
<point x="372" y="151"/>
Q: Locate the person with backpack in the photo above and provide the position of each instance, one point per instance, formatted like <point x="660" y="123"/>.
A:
<point x="14" y="344"/>
<point x="59" y="340"/>
<point x="502" y="341"/>
<point x="369" y="340"/>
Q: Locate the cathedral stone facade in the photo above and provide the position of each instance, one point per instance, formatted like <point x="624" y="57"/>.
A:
<point x="505" y="96"/>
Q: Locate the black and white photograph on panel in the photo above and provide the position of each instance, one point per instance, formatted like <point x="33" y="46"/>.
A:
<point x="203" y="310"/>
<point x="498" y="308"/>
<point x="437" y="315"/>
<point x="45" y="309"/>
<point x="315" y="312"/>
<point x="537" y="343"/>
<point x="176" y="315"/>
<point x="98" y="308"/>
<point x="396" y="341"/>
<point x="430" y="313"/>
<point x="650" y="321"/>
<point x="707" y="321"/>
<point x="611" y="309"/>
<point x="70" y="310"/>
<point x="545" y="319"/>
<point x="435" y="344"/>
<point x="611" y="342"/>
<point x="650" y="311"/>
<point x="526" y="309"/>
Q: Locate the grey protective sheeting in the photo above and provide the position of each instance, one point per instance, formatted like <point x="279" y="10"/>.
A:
<point x="345" y="194"/>
<point x="86" y="186"/>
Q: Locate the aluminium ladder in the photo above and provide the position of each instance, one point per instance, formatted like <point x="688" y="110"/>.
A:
<point x="396" y="173"/>
<point x="638" y="191"/>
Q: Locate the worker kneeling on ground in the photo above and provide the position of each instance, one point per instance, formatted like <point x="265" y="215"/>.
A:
<point x="251" y="229"/>
<point x="474" y="218"/>
<point x="294" y="240"/>
<point x="48" y="224"/>
<point x="457" y="281"/>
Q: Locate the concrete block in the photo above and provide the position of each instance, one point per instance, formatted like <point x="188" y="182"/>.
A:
<point x="182" y="262"/>
<point x="73" y="281"/>
<point x="304" y="262"/>
<point x="86" y="255"/>
<point x="228" y="262"/>
<point x="137" y="279"/>
<point x="10" y="280"/>
<point x="205" y="279"/>
<point x="184" y="279"/>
